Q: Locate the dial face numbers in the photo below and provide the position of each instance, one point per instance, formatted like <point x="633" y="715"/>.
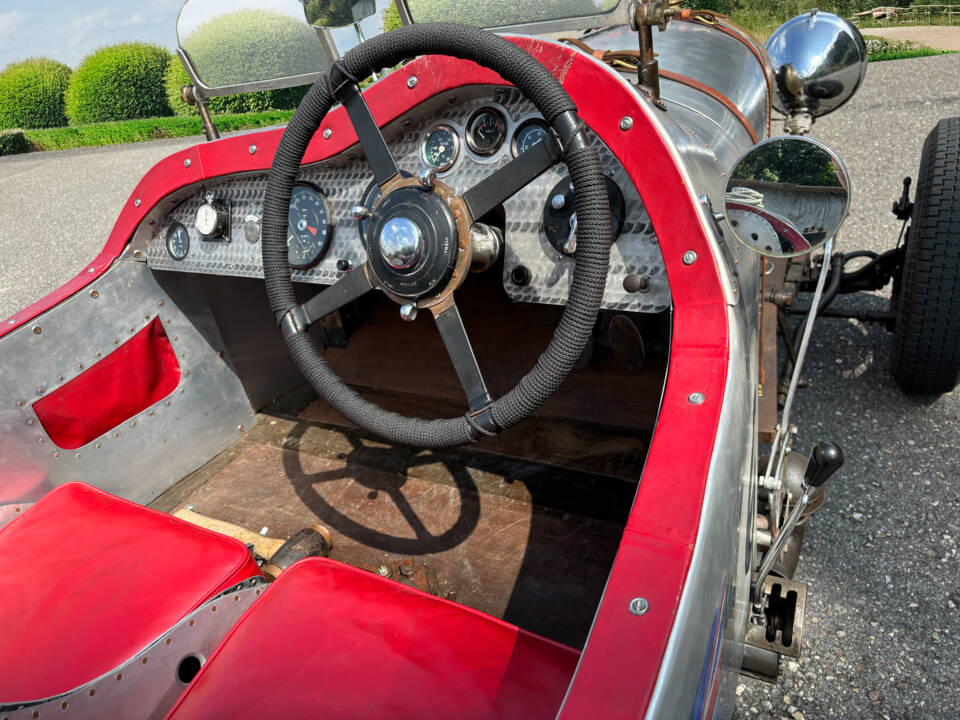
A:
<point x="308" y="226"/>
<point x="486" y="131"/>
<point x="178" y="242"/>
<point x="528" y="135"/>
<point x="440" y="148"/>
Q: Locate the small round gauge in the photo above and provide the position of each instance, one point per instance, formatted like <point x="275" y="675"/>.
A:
<point x="528" y="135"/>
<point x="178" y="242"/>
<point x="486" y="131"/>
<point x="308" y="227"/>
<point x="440" y="148"/>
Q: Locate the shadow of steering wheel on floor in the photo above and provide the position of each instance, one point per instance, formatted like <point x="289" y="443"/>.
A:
<point x="383" y="470"/>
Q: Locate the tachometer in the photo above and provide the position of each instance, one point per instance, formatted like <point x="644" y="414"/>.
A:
<point x="308" y="227"/>
<point x="527" y="135"/>
<point x="440" y="148"/>
<point x="178" y="242"/>
<point x="486" y="131"/>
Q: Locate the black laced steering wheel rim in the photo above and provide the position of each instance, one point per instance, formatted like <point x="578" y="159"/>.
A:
<point x="568" y="143"/>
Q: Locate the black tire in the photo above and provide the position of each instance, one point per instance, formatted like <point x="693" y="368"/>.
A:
<point x="926" y="338"/>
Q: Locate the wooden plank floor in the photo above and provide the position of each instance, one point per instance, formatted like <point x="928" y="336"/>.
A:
<point x="530" y="543"/>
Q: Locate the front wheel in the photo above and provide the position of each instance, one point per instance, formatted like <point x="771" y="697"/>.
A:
<point x="926" y="339"/>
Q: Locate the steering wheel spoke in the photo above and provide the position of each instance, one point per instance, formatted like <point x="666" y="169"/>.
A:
<point x="371" y="139"/>
<point x="460" y="350"/>
<point x="350" y="287"/>
<point x="506" y="182"/>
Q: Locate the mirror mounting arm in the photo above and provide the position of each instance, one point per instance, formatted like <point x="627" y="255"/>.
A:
<point x="189" y="94"/>
<point x="643" y="17"/>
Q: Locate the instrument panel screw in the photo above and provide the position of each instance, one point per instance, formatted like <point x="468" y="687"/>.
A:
<point x="412" y="82"/>
<point x="253" y="149"/>
<point x="406" y="567"/>
<point x="327" y="134"/>
<point x="696" y="398"/>
<point x="383" y="571"/>
<point x="343" y="265"/>
<point x="639" y="606"/>
<point x="689" y="257"/>
<point x="626" y="122"/>
<point x="427" y="177"/>
<point x="186" y="163"/>
<point x="360" y="212"/>
<point x="558" y="201"/>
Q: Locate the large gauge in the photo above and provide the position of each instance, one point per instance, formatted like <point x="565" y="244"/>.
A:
<point x="178" y="242"/>
<point x="308" y="228"/>
<point x="440" y="148"/>
<point x="527" y="135"/>
<point x="486" y="131"/>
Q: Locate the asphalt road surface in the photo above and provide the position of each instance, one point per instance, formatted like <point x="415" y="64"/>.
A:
<point x="883" y="624"/>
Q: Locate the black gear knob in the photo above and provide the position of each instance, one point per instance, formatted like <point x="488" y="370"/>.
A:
<point x="825" y="459"/>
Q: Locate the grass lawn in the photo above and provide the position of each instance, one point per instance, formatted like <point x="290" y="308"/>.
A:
<point x="115" y="133"/>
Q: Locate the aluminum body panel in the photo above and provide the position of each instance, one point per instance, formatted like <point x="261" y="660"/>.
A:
<point x="146" y="685"/>
<point x="345" y="179"/>
<point x="707" y="55"/>
<point x="147" y="453"/>
<point x="719" y="574"/>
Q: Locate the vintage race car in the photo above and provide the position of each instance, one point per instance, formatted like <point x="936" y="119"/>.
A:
<point x="251" y="466"/>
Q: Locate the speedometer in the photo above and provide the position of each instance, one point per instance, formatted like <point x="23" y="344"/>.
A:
<point x="308" y="226"/>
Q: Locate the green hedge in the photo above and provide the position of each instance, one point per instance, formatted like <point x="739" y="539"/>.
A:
<point x="13" y="142"/>
<point x="114" y="133"/>
<point x="120" y="82"/>
<point x="176" y="77"/>
<point x="31" y="94"/>
<point x="247" y="45"/>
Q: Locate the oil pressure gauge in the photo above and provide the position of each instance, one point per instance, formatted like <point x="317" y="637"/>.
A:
<point x="178" y="242"/>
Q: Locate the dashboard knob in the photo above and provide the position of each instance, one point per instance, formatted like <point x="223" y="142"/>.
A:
<point x="212" y="219"/>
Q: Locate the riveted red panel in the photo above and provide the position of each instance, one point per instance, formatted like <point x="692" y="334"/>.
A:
<point x="139" y="373"/>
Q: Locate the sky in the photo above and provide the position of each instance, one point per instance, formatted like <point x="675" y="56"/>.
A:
<point x="69" y="30"/>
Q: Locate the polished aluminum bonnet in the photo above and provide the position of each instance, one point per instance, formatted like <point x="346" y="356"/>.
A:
<point x="819" y="61"/>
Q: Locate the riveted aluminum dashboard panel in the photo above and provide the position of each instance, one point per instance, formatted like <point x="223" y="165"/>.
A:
<point x="345" y="179"/>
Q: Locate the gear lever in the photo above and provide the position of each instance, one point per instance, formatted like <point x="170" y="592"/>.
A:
<point x="825" y="459"/>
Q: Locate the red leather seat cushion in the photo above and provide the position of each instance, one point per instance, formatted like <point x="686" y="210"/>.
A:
<point x="89" y="580"/>
<point x="328" y="640"/>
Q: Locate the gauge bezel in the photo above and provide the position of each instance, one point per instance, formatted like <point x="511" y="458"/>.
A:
<point x="170" y="231"/>
<point x="468" y="133"/>
<point x="456" y="147"/>
<point x="523" y="126"/>
<point x="328" y="235"/>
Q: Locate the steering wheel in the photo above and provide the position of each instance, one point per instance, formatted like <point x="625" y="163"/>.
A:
<point x="418" y="240"/>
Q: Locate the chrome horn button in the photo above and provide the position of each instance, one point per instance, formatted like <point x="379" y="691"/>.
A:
<point x="401" y="242"/>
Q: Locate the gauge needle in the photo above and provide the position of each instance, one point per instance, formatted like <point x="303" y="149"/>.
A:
<point x="313" y="231"/>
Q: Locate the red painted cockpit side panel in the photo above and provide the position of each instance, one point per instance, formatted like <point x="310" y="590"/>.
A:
<point x="92" y="579"/>
<point x="621" y="662"/>
<point x="142" y="371"/>
<point x="331" y="641"/>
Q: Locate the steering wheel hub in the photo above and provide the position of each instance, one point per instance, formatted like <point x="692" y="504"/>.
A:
<point x="412" y="242"/>
<point x="401" y="242"/>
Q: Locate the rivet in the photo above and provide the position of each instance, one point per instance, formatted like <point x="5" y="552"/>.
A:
<point x="639" y="606"/>
<point x="144" y="661"/>
<point x="39" y="391"/>
<point x="133" y="423"/>
<point x="37" y="330"/>
<point x="150" y="413"/>
<point x="192" y="623"/>
<point x="626" y="122"/>
<point x="167" y="641"/>
<point x="137" y="254"/>
<point x="137" y="202"/>
<point x="60" y="378"/>
<point x="696" y="398"/>
<point x="56" y="454"/>
<point x="91" y="270"/>
<point x="146" y="317"/>
<point x="94" y="294"/>
<point x="167" y="403"/>
<point x="213" y="608"/>
<point x="42" y="441"/>
<point x="80" y="366"/>
<point x="99" y="354"/>
<point x="186" y="163"/>
<point x="97" y="446"/>
<point x="20" y="403"/>
<point x="160" y="303"/>
<point x="78" y="456"/>
<point x="30" y="421"/>
<point x="253" y="149"/>
<point x="92" y="692"/>
<point x="119" y="676"/>
<point x="689" y="257"/>
<point x="64" y="705"/>
<point x="327" y="133"/>
<point x="116" y="434"/>
<point x="240" y="428"/>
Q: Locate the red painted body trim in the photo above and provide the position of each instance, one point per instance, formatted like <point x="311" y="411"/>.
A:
<point x="621" y="662"/>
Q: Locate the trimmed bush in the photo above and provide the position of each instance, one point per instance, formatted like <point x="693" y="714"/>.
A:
<point x="31" y="94"/>
<point x="120" y="82"/>
<point x="13" y="142"/>
<point x="176" y="77"/>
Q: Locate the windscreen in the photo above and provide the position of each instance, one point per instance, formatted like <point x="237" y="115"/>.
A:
<point x="503" y="13"/>
<point x="233" y="42"/>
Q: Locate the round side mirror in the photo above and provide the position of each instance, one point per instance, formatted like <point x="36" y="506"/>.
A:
<point x="787" y="196"/>
<point x="819" y="61"/>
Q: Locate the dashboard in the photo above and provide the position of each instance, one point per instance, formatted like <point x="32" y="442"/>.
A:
<point x="215" y="229"/>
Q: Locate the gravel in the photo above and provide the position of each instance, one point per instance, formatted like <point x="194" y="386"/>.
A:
<point x="881" y="557"/>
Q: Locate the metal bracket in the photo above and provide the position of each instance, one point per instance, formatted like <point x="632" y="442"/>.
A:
<point x="779" y="627"/>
